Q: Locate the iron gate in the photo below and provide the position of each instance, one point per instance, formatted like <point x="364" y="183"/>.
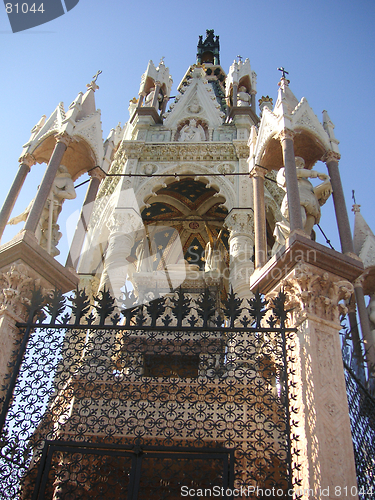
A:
<point x="137" y="473"/>
<point x="189" y="388"/>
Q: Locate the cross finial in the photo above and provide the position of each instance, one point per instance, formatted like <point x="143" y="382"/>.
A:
<point x="240" y="58"/>
<point x="283" y="72"/>
<point x="162" y="60"/>
<point x="353" y="196"/>
<point x="95" y="77"/>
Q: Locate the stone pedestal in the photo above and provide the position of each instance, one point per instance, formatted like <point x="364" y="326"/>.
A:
<point x="23" y="266"/>
<point x="315" y="280"/>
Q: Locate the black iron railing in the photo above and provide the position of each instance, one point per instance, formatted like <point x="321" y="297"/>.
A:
<point x="179" y="392"/>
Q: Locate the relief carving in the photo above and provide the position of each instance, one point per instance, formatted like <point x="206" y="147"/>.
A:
<point x="16" y="285"/>
<point x="310" y="292"/>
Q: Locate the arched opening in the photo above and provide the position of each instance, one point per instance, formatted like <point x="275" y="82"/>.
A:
<point x="184" y="223"/>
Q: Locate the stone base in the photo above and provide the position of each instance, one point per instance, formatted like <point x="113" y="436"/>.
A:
<point x="147" y="111"/>
<point x="24" y="248"/>
<point x="244" y="111"/>
<point x="298" y="249"/>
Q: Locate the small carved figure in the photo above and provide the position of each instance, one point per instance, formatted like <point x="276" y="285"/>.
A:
<point x="150" y="98"/>
<point x="243" y="97"/>
<point x="311" y="198"/>
<point x="192" y="132"/>
<point x="194" y="107"/>
<point x="48" y="234"/>
<point x="213" y="253"/>
<point x="142" y="253"/>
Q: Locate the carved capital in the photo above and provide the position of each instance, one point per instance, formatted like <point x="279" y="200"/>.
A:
<point x="285" y="134"/>
<point x="27" y="159"/>
<point x="63" y="137"/>
<point x="97" y="173"/>
<point x="331" y="156"/>
<point x="258" y="171"/>
<point x="313" y="293"/>
<point x="240" y="222"/>
<point x="125" y="222"/>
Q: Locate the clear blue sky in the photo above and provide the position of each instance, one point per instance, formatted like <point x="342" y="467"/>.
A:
<point x="326" y="45"/>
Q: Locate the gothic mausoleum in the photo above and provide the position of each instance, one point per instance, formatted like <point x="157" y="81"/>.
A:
<point x="198" y="341"/>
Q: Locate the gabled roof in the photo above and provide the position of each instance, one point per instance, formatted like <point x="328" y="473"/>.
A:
<point x="196" y="100"/>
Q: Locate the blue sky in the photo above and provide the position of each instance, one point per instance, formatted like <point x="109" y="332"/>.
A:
<point x="327" y="47"/>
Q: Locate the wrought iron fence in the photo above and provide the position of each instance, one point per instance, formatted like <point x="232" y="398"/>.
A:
<point x="139" y="403"/>
<point x="362" y="421"/>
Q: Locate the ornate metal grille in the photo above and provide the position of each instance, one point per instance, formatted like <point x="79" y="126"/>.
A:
<point x="141" y="402"/>
<point x="362" y="421"/>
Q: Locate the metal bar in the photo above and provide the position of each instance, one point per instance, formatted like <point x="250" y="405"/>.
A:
<point x="156" y="328"/>
<point x="287" y="410"/>
<point x="51" y="450"/>
<point x="41" y="469"/>
<point x="82" y="183"/>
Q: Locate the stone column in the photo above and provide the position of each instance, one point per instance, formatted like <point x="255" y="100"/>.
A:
<point x="234" y="94"/>
<point x="241" y="244"/>
<point x="260" y="235"/>
<point x="80" y="233"/>
<point x="123" y="225"/>
<point x="253" y="102"/>
<point x="354" y="334"/>
<point x="155" y="101"/>
<point x="140" y="100"/>
<point x="325" y="439"/>
<point x="369" y="341"/>
<point x="26" y="163"/>
<point x="294" y="204"/>
<point x="332" y="162"/>
<point x="316" y="280"/>
<point x="62" y="141"/>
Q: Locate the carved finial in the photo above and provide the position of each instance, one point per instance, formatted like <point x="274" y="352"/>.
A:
<point x="283" y="72"/>
<point x="92" y="85"/>
<point x="95" y="77"/>
<point x="356" y="208"/>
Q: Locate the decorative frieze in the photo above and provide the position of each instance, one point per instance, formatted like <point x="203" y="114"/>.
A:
<point x="189" y="152"/>
<point x="242" y="149"/>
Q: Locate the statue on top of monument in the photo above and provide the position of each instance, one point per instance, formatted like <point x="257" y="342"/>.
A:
<point x="150" y="98"/>
<point x="243" y="97"/>
<point x="311" y="198"/>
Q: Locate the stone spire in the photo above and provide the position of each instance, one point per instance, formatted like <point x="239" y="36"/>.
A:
<point x="88" y="106"/>
<point x="208" y="51"/>
<point x="363" y="239"/>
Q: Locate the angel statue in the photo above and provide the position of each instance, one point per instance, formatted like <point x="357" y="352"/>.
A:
<point x="311" y="198"/>
<point x="48" y="234"/>
<point x="213" y="254"/>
